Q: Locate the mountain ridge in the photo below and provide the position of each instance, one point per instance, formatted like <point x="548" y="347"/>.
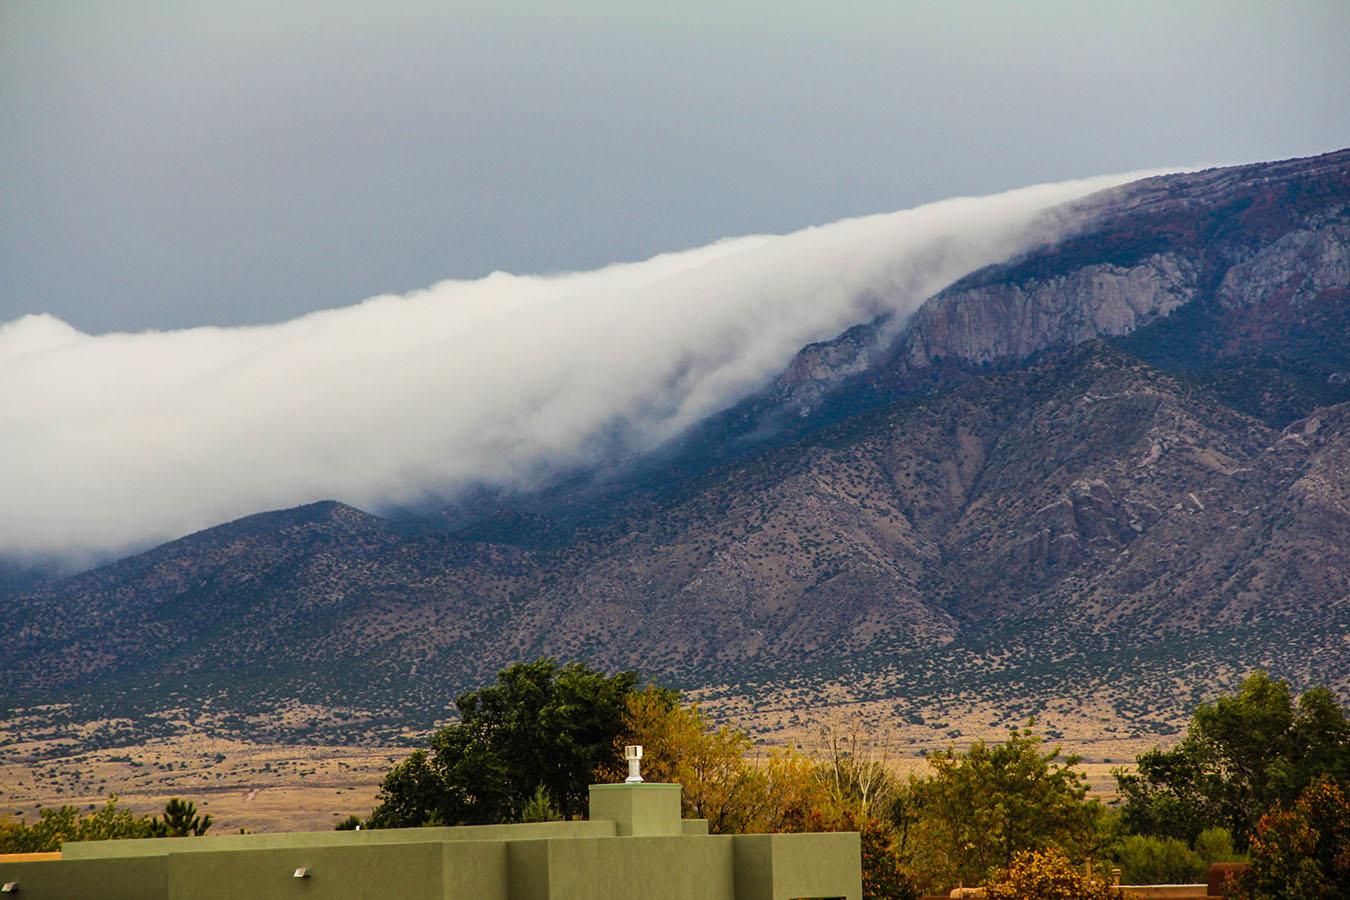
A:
<point x="1128" y="445"/>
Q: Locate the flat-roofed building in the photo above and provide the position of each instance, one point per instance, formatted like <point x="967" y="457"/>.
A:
<point x="634" y="846"/>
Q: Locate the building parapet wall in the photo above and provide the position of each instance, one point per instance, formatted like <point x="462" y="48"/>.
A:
<point x="785" y="866"/>
<point x="436" y="834"/>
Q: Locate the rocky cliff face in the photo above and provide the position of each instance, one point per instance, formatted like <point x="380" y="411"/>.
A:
<point x="1119" y="461"/>
<point x="999" y="322"/>
<point x="1267" y="235"/>
<point x="1298" y="269"/>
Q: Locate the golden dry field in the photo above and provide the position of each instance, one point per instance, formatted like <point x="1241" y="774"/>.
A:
<point x="298" y="787"/>
<point x="1086" y="726"/>
<point x="260" y="787"/>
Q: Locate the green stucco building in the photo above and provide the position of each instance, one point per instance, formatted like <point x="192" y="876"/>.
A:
<point x="635" y="846"/>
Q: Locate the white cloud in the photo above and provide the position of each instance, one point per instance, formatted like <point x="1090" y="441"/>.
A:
<point x="116" y="441"/>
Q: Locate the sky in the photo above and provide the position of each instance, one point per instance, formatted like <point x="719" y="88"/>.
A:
<point x="182" y="163"/>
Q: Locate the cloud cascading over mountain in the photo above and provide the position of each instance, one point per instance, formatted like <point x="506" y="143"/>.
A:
<point x="115" y="441"/>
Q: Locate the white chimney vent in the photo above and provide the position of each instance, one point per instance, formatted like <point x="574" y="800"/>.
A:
<point x="633" y="753"/>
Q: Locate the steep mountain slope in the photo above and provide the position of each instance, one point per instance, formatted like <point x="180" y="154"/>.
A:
<point x="1117" y="464"/>
<point x="1091" y="492"/>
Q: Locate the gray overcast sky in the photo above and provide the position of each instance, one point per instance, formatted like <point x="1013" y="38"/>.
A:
<point x="165" y="164"/>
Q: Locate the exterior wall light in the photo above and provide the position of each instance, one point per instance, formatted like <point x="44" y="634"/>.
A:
<point x="10" y="887"/>
<point x="301" y="873"/>
<point x="633" y="753"/>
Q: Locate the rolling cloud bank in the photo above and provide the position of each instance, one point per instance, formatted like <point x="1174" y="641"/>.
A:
<point x="113" y="442"/>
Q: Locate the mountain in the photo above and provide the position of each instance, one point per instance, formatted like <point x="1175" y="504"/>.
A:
<point x="1114" y="465"/>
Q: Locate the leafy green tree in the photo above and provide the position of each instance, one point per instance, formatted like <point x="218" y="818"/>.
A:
<point x="410" y="794"/>
<point x="54" y="825"/>
<point x="351" y="823"/>
<point x="983" y="807"/>
<point x="1301" y="852"/>
<point x="112" y="822"/>
<point x="1241" y="754"/>
<point x="1170" y="794"/>
<point x="540" y="725"/>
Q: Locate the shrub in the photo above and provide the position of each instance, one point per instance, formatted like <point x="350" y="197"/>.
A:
<point x="1150" y="860"/>
<point x="540" y="808"/>
<point x="59" y="825"/>
<point x="1215" y="845"/>
<point x="1046" y="875"/>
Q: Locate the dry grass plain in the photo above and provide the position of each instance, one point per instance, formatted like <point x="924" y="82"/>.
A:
<point x="261" y="787"/>
<point x="290" y="787"/>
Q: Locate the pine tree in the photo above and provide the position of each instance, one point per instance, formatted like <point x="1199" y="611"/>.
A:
<point x="180" y="820"/>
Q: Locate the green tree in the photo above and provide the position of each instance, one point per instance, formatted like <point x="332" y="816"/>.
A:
<point x="1171" y="793"/>
<point x="983" y="807"/>
<point x="112" y="822"/>
<point x="180" y="820"/>
<point x="21" y="837"/>
<point x="351" y="823"/>
<point x="410" y="794"/>
<point x="55" y="826"/>
<point x="884" y="875"/>
<point x="541" y="725"/>
<point x="1241" y="754"/>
